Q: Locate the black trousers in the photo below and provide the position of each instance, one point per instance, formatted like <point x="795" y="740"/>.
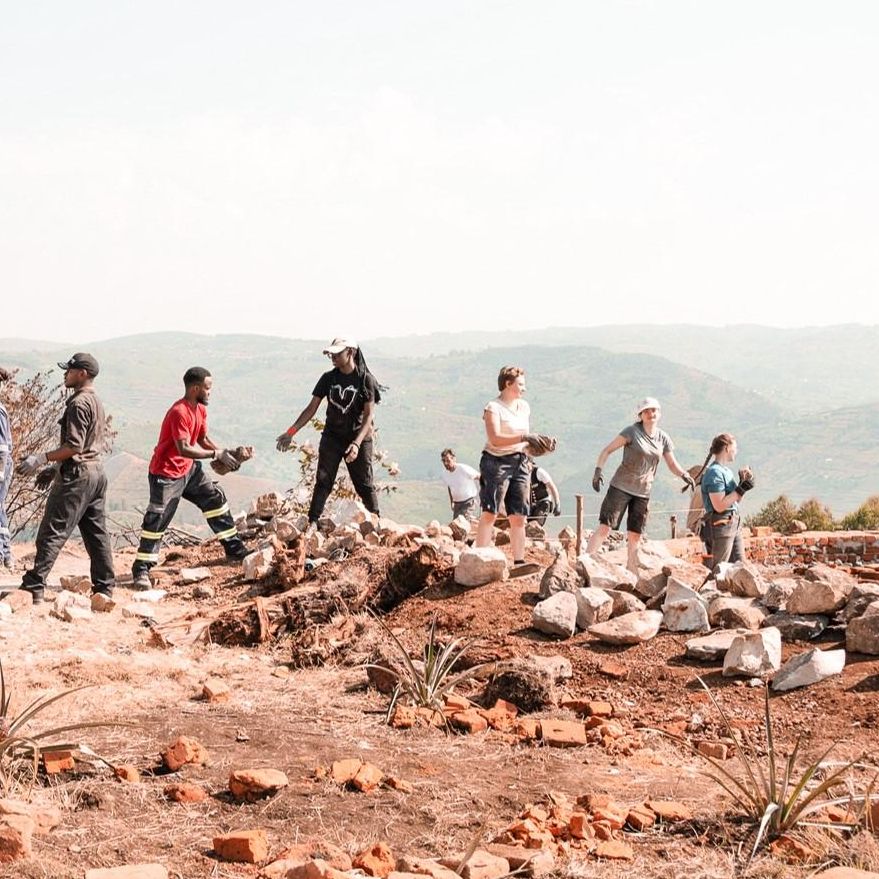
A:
<point x="77" y="497"/>
<point x="165" y="494"/>
<point x="330" y="454"/>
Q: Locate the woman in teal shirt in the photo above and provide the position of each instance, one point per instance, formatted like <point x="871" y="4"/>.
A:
<point x="721" y="495"/>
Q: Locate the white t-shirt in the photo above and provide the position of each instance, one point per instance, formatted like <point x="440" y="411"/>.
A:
<point x="513" y="422"/>
<point x="461" y="482"/>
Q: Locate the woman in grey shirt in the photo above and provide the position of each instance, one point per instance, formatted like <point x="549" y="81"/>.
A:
<point x="643" y="444"/>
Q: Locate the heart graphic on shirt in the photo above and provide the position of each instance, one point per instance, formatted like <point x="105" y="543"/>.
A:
<point x="342" y="398"/>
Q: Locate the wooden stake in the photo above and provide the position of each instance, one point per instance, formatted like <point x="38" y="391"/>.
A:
<point x="579" y="543"/>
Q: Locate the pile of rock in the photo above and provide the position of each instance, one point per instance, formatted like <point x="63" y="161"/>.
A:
<point x="755" y="610"/>
<point x="347" y="525"/>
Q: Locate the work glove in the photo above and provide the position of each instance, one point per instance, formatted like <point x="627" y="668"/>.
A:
<point x="539" y="444"/>
<point x="45" y="478"/>
<point x="689" y="482"/>
<point x="227" y="459"/>
<point x="597" y="479"/>
<point x="557" y="510"/>
<point x="746" y="480"/>
<point x="31" y="464"/>
<point x="283" y="442"/>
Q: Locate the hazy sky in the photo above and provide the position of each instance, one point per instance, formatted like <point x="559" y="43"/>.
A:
<point x="379" y="168"/>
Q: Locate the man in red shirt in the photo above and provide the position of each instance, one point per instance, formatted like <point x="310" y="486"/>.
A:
<point x="176" y="472"/>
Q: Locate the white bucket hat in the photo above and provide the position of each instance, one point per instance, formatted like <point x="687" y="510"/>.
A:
<point x="648" y="403"/>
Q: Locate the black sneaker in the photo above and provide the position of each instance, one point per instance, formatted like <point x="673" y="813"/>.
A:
<point x="141" y="581"/>
<point x="238" y="554"/>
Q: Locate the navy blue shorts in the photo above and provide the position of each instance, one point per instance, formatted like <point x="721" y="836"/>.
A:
<point x="505" y="479"/>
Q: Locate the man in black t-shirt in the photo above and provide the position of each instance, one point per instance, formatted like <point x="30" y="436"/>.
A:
<point x="351" y="392"/>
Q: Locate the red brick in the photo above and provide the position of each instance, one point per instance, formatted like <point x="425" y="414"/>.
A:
<point x="579" y="826"/>
<point x="247" y="846"/>
<point x="376" y="860"/>
<point x="126" y="772"/>
<point x="527" y="728"/>
<point x="183" y="750"/>
<point x="367" y="778"/>
<point x="343" y="771"/>
<point x="562" y="733"/>
<point x="185" y="793"/>
<point x="470" y="721"/>
<point x="15" y="838"/>
<point x="670" y="810"/>
<point x="57" y="761"/>
<point x="404" y="717"/>
<point x="614" y="850"/>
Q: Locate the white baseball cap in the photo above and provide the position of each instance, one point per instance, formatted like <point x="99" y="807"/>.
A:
<point x="339" y="344"/>
<point x="648" y="403"/>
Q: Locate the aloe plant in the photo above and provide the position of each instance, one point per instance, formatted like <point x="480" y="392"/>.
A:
<point x="425" y="687"/>
<point x="774" y="793"/>
<point x="19" y="746"/>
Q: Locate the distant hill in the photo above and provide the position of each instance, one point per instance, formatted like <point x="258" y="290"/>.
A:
<point x="583" y="393"/>
<point x="809" y="368"/>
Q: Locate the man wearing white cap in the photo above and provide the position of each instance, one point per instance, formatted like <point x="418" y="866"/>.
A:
<point x="643" y="444"/>
<point x="351" y="392"/>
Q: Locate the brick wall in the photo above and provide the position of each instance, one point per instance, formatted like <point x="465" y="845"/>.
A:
<point x="842" y="547"/>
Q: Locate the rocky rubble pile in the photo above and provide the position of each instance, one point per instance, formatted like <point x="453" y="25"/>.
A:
<point x="741" y="617"/>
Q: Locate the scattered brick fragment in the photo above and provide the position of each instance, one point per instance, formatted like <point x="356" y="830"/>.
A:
<point x="183" y="750"/>
<point x="245" y="846"/>
<point x="126" y="772"/>
<point x="377" y="860"/>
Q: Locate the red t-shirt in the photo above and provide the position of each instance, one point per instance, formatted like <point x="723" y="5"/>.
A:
<point x="181" y="421"/>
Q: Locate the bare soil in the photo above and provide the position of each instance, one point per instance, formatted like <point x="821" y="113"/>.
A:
<point x="297" y="720"/>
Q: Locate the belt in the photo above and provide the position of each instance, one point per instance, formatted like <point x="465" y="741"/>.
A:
<point x="725" y="521"/>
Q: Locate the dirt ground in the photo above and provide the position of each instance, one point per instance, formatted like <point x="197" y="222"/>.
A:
<point x="297" y="720"/>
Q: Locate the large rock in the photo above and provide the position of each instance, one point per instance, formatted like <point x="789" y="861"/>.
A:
<point x="809" y="668"/>
<point x="683" y="609"/>
<point x="754" y="654"/>
<point x="862" y="633"/>
<point x="601" y="574"/>
<point x="258" y="564"/>
<point x="713" y="646"/>
<point x="71" y="606"/>
<point x="624" y="602"/>
<point x="780" y="589"/>
<point x="630" y="628"/>
<point x="593" y="606"/>
<point x="742" y="579"/>
<point x="253" y="784"/>
<point x="480" y="565"/>
<point x="820" y="596"/>
<point x="651" y="583"/>
<point x="559" y="577"/>
<point x="688" y="573"/>
<point x="556" y="615"/>
<point x="797" y="627"/>
<point x="735" y="613"/>
<point x="859" y="599"/>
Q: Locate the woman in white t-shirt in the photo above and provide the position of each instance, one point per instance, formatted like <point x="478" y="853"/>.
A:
<point x="504" y="467"/>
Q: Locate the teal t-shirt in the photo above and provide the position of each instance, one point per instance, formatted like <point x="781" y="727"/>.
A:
<point x="718" y="478"/>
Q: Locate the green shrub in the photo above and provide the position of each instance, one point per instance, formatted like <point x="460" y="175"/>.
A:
<point x="777" y="514"/>
<point x="865" y="518"/>
<point x="816" y="516"/>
